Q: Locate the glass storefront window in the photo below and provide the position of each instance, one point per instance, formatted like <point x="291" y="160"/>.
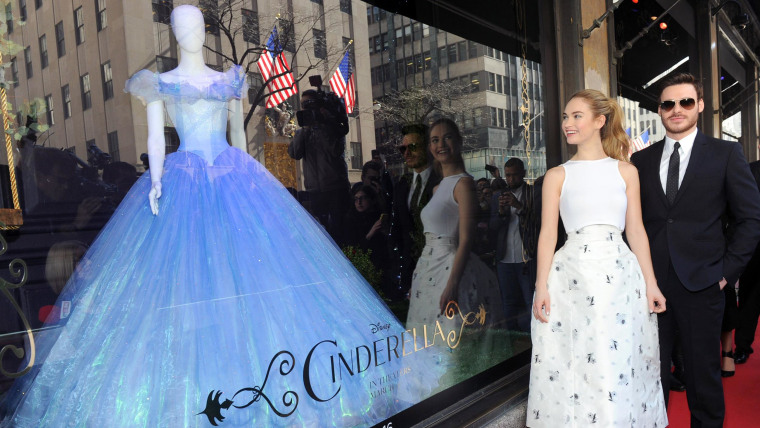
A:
<point x="236" y="290"/>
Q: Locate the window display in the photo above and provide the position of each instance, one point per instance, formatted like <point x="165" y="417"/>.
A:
<point x="174" y="281"/>
<point x="226" y="294"/>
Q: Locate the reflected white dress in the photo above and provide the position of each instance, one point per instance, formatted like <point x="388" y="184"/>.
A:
<point x="478" y="286"/>
<point x="597" y="361"/>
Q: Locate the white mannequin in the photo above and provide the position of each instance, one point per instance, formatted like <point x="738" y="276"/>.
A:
<point x="188" y="27"/>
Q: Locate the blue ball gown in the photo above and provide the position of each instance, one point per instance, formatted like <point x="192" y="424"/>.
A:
<point x="231" y="307"/>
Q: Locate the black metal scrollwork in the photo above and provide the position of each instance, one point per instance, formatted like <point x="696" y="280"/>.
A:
<point x="289" y="398"/>
<point x="17" y="268"/>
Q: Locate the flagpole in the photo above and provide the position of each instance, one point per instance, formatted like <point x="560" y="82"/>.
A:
<point x="342" y="54"/>
<point x="645" y="130"/>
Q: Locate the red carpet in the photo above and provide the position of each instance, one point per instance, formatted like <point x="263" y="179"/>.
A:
<point x="741" y="394"/>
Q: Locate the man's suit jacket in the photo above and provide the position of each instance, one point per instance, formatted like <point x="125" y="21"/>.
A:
<point x="404" y="227"/>
<point x="498" y="226"/>
<point x="689" y="232"/>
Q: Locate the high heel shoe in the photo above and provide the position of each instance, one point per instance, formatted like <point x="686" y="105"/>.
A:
<point x="727" y="373"/>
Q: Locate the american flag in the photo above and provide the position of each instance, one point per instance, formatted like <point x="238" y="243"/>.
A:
<point x="273" y="65"/>
<point x="342" y="83"/>
<point x="640" y="142"/>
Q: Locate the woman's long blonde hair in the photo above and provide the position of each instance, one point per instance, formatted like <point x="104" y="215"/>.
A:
<point x="62" y="260"/>
<point x="615" y="141"/>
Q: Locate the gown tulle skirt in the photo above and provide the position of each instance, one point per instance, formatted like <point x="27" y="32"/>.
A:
<point x="597" y="361"/>
<point x="231" y="306"/>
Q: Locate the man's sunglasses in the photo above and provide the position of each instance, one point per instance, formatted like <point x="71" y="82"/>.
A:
<point x="412" y="147"/>
<point x="687" y="103"/>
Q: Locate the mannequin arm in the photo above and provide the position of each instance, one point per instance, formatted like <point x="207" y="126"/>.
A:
<point x="237" y="128"/>
<point x="156" y="151"/>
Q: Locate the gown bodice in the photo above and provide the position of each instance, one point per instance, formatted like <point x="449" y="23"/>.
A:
<point x="198" y="110"/>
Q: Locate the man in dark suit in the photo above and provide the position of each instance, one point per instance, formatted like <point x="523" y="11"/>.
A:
<point x="688" y="180"/>
<point x="410" y="194"/>
<point x="512" y="225"/>
<point x="749" y="297"/>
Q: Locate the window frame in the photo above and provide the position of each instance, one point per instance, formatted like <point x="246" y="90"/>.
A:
<point x="86" y="88"/>
<point x="9" y="22"/>
<point x="113" y="146"/>
<point x="346" y="7"/>
<point x="106" y="72"/>
<point x="162" y="10"/>
<point x="101" y="18"/>
<point x="14" y="71"/>
<point x="60" y="39"/>
<point x="79" y="25"/>
<point x="320" y="43"/>
<point x="43" y="51"/>
<point x="66" y="101"/>
<point x="28" y="62"/>
<point x="251" y="29"/>
<point x="210" y="10"/>
<point x="49" y="110"/>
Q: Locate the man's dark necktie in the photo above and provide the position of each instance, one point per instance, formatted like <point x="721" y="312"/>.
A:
<point x="671" y="185"/>
<point x="416" y="194"/>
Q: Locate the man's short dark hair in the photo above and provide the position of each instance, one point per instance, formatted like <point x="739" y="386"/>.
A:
<point x="488" y="183"/>
<point x="310" y="93"/>
<point x="371" y="165"/>
<point x="515" y="163"/>
<point x="415" y="128"/>
<point x="681" y="79"/>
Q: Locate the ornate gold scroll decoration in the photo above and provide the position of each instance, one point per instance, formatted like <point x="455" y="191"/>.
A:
<point x="452" y="309"/>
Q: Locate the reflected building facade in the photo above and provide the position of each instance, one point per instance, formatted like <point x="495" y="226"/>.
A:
<point x="76" y="57"/>
<point x="505" y="91"/>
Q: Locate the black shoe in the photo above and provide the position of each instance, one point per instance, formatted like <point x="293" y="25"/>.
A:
<point x="727" y="373"/>
<point x="676" y="384"/>
<point x="741" y="357"/>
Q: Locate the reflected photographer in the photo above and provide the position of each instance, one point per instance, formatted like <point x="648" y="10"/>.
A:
<point x="320" y="142"/>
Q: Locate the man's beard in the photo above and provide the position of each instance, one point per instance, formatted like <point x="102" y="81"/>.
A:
<point x="684" y="126"/>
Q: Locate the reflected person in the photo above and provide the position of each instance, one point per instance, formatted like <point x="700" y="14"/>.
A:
<point x="448" y="270"/>
<point x="512" y="225"/>
<point x="411" y="194"/>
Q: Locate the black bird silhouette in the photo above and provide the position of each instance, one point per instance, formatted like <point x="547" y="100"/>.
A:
<point x="213" y="408"/>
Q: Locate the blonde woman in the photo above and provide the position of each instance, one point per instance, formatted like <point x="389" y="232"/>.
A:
<point x="595" y="348"/>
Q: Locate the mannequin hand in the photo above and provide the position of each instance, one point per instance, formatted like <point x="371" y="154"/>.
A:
<point x="449" y="294"/>
<point x="155" y="193"/>
<point x="656" y="300"/>
<point x="541" y="304"/>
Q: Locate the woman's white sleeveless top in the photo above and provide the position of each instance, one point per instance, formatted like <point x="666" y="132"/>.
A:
<point x="593" y="193"/>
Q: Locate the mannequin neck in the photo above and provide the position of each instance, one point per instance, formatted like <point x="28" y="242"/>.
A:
<point x="191" y="63"/>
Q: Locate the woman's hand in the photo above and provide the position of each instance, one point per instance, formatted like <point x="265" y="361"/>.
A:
<point x="655" y="299"/>
<point x="375" y="227"/>
<point x="541" y="304"/>
<point x="449" y="294"/>
<point x="86" y="210"/>
<point x="155" y="193"/>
